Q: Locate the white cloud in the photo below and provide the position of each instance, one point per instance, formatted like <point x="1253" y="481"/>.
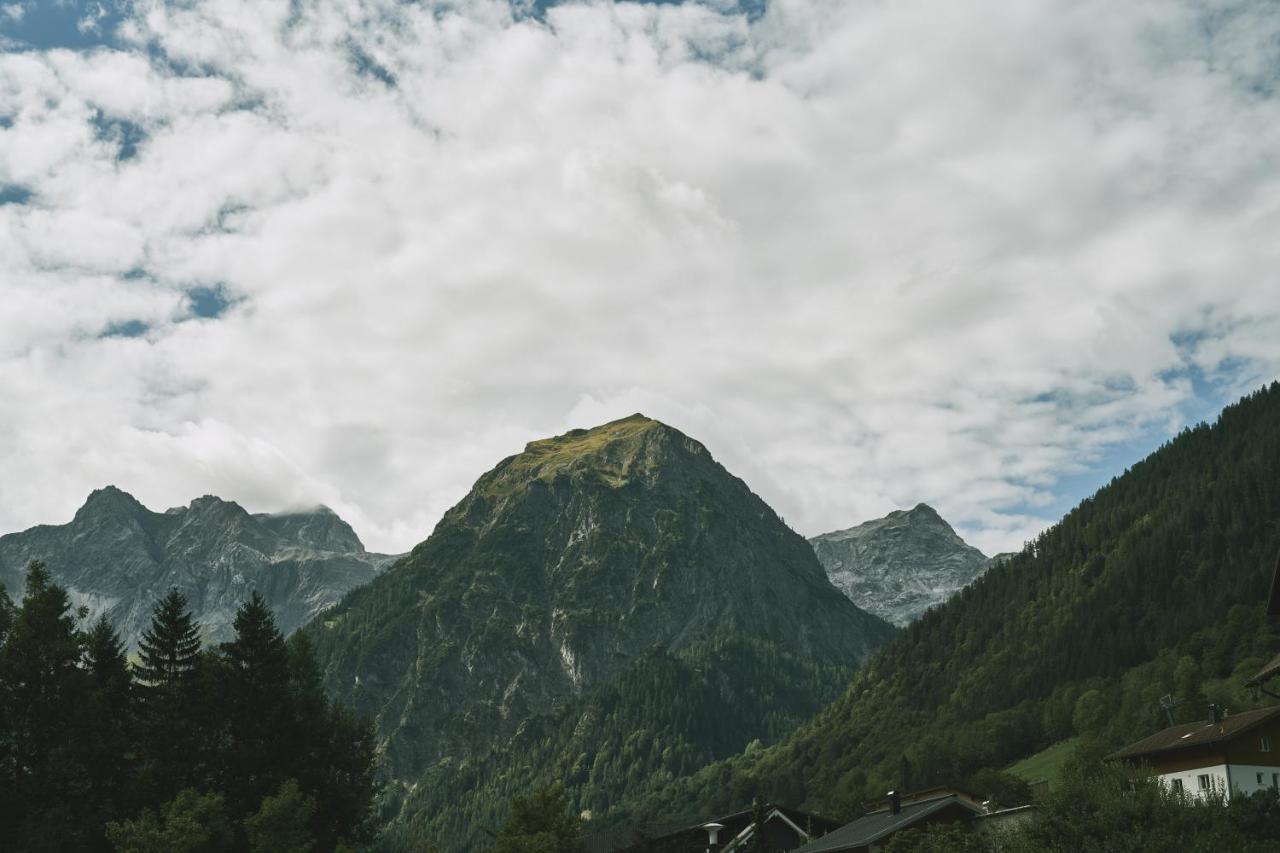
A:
<point x="870" y="253"/>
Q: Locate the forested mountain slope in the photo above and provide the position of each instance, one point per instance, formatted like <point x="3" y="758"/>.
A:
<point x="118" y="558"/>
<point x="1153" y="586"/>
<point x="610" y="608"/>
<point x="899" y="566"/>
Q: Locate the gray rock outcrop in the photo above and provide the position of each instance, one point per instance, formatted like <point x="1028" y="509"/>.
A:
<point x="117" y="558"/>
<point x="899" y="566"/>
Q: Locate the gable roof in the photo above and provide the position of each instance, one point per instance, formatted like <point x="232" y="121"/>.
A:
<point x="1271" y="670"/>
<point x="736" y="830"/>
<point x="875" y="826"/>
<point x="1202" y="733"/>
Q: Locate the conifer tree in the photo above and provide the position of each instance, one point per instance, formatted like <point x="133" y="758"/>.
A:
<point x="44" y="697"/>
<point x="109" y="752"/>
<point x="337" y="749"/>
<point x="263" y="750"/>
<point x="169" y="652"/>
<point x="175" y="750"/>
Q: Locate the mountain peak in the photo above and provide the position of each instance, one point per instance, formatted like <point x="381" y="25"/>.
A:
<point x="582" y="441"/>
<point x="900" y="565"/>
<point x="116" y="554"/>
<point x="218" y="507"/>
<point x="317" y="527"/>
<point x="615" y="452"/>
<point x="562" y="569"/>
<point x="108" y="499"/>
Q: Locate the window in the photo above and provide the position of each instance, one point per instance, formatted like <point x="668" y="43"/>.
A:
<point x="1264" y="743"/>
<point x="1275" y="780"/>
<point x="1176" y="784"/>
<point x="1203" y="781"/>
<point x="1259" y="780"/>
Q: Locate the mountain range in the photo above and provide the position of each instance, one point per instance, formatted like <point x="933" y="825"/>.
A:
<point x="117" y="558"/>
<point x="613" y="611"/>
<point x="899" y="566"/>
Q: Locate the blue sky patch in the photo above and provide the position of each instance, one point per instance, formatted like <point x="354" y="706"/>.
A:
<point x="126" y="329"/>
<point x="14" y="194"/>
<point x="209" y="302"/>
<point x="74" y="24"/>
<point x="125" y="134"/>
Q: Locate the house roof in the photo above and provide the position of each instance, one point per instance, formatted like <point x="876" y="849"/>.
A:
<point x="622" y="839"/>
<point x="1271" y="670"/>
<point x="875" y="826"/>
<point x="1202" y="733"/>
<point x="1273" y="600"/>
<point x="924" y="794"/>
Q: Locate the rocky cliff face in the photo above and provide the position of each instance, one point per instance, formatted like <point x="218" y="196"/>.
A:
<point x="899" y="566"/>
<point x="563" y="567"/>
<point x="117" y="557"/>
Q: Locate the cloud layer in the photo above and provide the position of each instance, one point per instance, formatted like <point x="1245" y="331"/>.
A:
<point x="870" y="253"/>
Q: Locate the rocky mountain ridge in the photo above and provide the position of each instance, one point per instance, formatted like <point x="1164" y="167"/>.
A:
<point x="899" y="566"/>
<point x="116" y="557"/>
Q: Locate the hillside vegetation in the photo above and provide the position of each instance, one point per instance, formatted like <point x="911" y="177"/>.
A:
<point x="1153" y="586"/>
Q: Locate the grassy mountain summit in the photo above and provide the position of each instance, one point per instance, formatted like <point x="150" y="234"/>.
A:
<point x="613" y="452"/>
<point x="1152" y="587"/>
<point x="613" y="559"/>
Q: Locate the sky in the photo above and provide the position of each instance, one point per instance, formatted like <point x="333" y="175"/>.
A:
<point x="354" y="252"/>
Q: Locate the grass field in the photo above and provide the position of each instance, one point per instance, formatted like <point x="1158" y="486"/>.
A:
<point x="1045" y="764"/>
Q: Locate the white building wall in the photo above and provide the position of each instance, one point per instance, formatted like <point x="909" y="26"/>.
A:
<point x="1244" y="779"/>
<point x="1248" y="778"/>
<point x="1190" y="780"/>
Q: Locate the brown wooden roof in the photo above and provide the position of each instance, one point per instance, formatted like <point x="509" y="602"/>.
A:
<point x="1271" y="670"/>
<point x="1202" y="733"/>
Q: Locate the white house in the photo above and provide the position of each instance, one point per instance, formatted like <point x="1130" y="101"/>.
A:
<point x="1231" y="755"/>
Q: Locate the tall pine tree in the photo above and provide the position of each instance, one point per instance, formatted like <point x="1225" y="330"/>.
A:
<point x="263" y="749"/>
<point x="109" y="753"/>
<point x="338" y="747"/>
<point x="169" y="653"/>
<point x="174" y="732"/>
<point x="44" y="693"/>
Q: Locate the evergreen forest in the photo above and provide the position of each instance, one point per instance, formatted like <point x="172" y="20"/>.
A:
<point x="187" y="749"/>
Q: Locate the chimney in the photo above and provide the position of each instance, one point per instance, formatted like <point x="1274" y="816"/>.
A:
<point x="1216" y="712"/>
<point x="895" y="802"/>
<point x="713" y="835"/>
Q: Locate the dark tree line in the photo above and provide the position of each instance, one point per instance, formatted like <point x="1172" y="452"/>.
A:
<point x="189" y="749"/>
